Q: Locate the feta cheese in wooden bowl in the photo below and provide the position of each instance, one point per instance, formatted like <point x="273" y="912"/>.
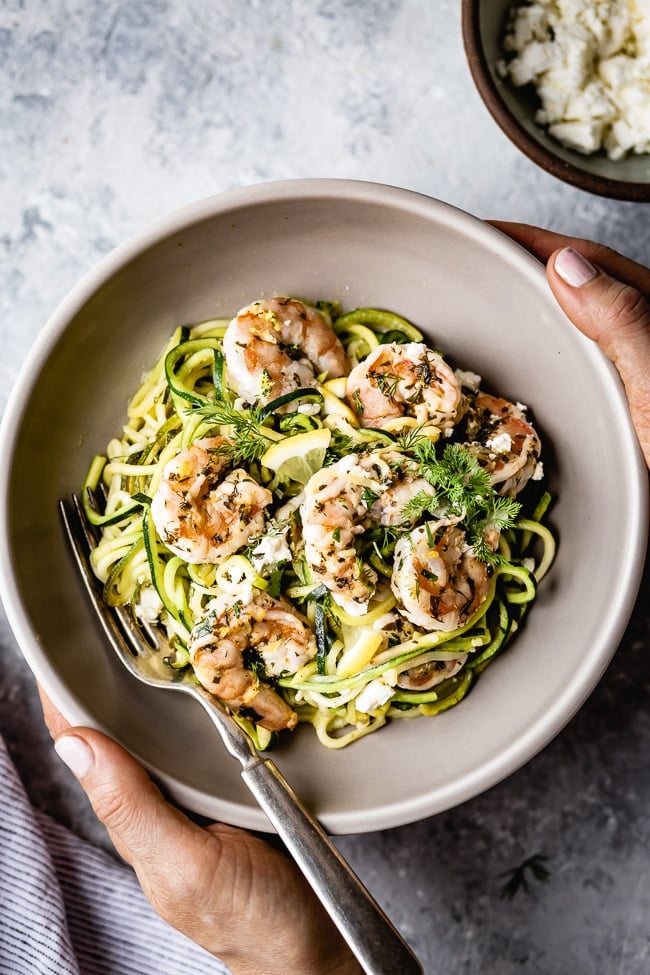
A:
<point x="568" y="81"/>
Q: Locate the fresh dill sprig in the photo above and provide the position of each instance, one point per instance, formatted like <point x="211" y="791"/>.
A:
<point x="461" y="488"/>
<point x="413" y="437"/>
<point x="422" y="503"/>
<point x="501" y="513"/>
<point x="340" y="445"/>
<point x="250" y="439"/>
<point x="456" y="477"/>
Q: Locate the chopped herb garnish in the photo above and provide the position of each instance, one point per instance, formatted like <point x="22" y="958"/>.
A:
<point x="431" y="576"/>
<point x="341" y="445"/>
<point x="254" y="661"/>
<point x="368" y="496"/>
<point x="251" y="440"/>
<point x="386" y="382"/>
<point x="274" y="587"/>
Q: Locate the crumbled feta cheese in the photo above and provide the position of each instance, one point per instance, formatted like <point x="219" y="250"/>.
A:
<point x="585" y="137"/>
<point x="220" y="604"/>
<point x="373" y="696"/>
<point x="538" y="473"/>
<point x="589" y="61"/>
<point x="500" y="444"/>
<point x="240" y="590"/>
<point x="270" y="551"/>
<point x="149" y="605"/>
<point x="468" y="380"/>
<point x="285" y="656"/>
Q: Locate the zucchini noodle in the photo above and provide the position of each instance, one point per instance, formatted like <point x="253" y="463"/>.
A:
<point x="439" y="565"/>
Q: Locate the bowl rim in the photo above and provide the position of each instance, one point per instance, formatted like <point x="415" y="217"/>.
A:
<point x="618" y="189"/>
<point x="394" y="812"/>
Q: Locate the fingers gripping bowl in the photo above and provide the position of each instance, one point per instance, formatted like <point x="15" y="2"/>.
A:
<point x="475" y="295"/>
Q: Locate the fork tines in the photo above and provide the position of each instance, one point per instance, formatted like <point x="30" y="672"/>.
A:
<point x="118" y="624"/>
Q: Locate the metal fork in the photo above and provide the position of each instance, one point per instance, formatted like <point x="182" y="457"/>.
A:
<point x="372" y="938"/>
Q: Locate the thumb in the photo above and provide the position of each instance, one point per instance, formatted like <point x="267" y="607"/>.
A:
<point x="170" y="854"/>
<point x="617" y="317"/>
<point x="120" y="792"/>
<point x="228" y="891"/>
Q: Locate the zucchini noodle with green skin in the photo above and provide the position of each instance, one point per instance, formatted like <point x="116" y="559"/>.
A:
<point x="332" y="524"/>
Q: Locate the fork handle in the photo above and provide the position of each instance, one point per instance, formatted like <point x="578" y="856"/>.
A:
<point x="375" y="942"/>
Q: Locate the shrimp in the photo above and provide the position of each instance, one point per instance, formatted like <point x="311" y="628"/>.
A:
<point x="340" y="503"/>
<point x="202" y="512"/>
<point x="503" y="441"/>
<point x="389" y="508"/>
<point x="277" y="345"/>
<point x="334" y="512"/>
<point x="405" y="380"/>
<point x="437" y="581"/>
<point x="265" y="626"/>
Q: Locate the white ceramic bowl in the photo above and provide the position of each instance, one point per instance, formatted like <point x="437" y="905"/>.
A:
<point x="480" y="298"/>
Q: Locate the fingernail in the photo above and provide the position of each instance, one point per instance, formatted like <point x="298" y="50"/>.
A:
<point x="573" y="268"/>
<point x="76" y="754"/>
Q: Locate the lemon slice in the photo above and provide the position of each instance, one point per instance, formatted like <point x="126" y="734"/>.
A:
<point x="297" y="458"/>
<point x="359" y="655"/>
<point x="337" y="386"/>
<point x="401" y="424"/>
<point x="334" y="405"/>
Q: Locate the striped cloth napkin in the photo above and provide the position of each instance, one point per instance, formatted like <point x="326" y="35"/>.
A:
<point x="68" y="908"/>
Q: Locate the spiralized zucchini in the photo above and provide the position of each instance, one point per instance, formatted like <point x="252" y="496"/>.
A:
<point x="359" y="677"/>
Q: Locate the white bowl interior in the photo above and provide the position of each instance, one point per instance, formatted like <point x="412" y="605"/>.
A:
<point x="479" y="298"/>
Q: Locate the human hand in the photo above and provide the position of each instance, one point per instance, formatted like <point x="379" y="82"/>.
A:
<point x="225" y="889"/>
<point x="607" y="296"/>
